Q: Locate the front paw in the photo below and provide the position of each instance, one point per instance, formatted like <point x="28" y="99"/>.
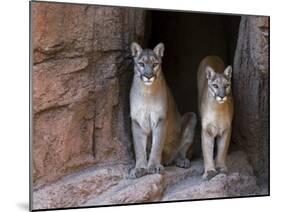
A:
<point x="182" y="163"/>
<point x="209" y="174"/>
<point x="137" y="172"/>
<point x="155" y="169"/>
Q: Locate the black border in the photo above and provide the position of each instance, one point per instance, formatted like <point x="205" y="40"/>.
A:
<point x="268" y="105"/>
<point x="144" y="203"/>
<point x="30" y="110"/>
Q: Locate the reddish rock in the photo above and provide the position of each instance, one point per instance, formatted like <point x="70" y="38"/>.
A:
<point x="233" y="185"/>
<point x="109" y="185"/>
<point x="80" y="74"/>
<point x="75" y="189"/>
<point x="240" y="181"/>
<point x="145" y="189"/>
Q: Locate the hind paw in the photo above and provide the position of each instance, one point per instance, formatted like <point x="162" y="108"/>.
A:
<point x="182" y="163"/>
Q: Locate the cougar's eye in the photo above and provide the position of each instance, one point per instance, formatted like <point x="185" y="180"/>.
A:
<point x="141" y="64"/>
<point x="227" y="85"/>
<point x="215" y="86"/>
<point x="154" y="65"/>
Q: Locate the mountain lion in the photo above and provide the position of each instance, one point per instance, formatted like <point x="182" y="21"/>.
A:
<point x="157" y="127"/>
<point x="216" y="110"/>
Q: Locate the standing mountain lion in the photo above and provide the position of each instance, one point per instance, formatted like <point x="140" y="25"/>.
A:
<point x="157" y="128"/>
<point x="216" y="110"/>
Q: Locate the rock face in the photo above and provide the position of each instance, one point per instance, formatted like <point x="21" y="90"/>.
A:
<point x="110" y="186"/>
<point x="77" y="188"/>
<point x="81" y="73"/>
<point x="250" y="77"/>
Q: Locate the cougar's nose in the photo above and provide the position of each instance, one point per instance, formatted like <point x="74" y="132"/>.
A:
<point x="221" y="93"/>
<point x="148" y="75"/>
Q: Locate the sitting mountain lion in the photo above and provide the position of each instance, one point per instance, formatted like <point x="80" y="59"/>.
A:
<point x="157" y="127"/>
<point x="216" y="110"/>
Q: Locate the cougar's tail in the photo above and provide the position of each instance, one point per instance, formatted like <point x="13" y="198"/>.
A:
<point x="188" y="124"/>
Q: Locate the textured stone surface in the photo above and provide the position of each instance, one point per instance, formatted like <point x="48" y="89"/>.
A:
<point x="75" y="189"/>
<point x="221" y="185"/>
<point x="81" y="73"/>
<point x="250" y="87"/>
<point x="240" y="181"/>
<point x="110" y="186"/>
<point x="145" y="189"/>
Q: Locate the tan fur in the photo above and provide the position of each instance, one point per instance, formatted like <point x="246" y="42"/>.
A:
<point x="154" y="115"/>
<point x="216" y="119"/>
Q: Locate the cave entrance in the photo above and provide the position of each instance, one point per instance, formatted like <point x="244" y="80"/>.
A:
<point x="241" y="41"/>
<point x="188" y="38"/>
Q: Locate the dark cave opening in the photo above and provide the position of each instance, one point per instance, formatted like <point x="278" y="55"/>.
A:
<point x="188" y="38"/>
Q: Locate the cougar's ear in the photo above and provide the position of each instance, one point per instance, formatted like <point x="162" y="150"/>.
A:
<point x="135" y="49"/>
<point x="159" y="50"/>
<point x="228" y="72"/>
<point x="210" y="73"/>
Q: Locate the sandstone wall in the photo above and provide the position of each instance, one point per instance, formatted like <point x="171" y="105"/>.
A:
<point x="81" y="73"/>
<point x="251" y="78"/>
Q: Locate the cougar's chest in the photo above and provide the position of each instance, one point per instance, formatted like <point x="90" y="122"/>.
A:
<point x="217" y="119"/>
<point x="147" y="109"/>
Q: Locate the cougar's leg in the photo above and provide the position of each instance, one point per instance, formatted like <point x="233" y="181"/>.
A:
<point x="140" y="141"/>
<point x="158" y="139"/>
<point x="223" y="142"/>
<point x="207" y="139"/>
